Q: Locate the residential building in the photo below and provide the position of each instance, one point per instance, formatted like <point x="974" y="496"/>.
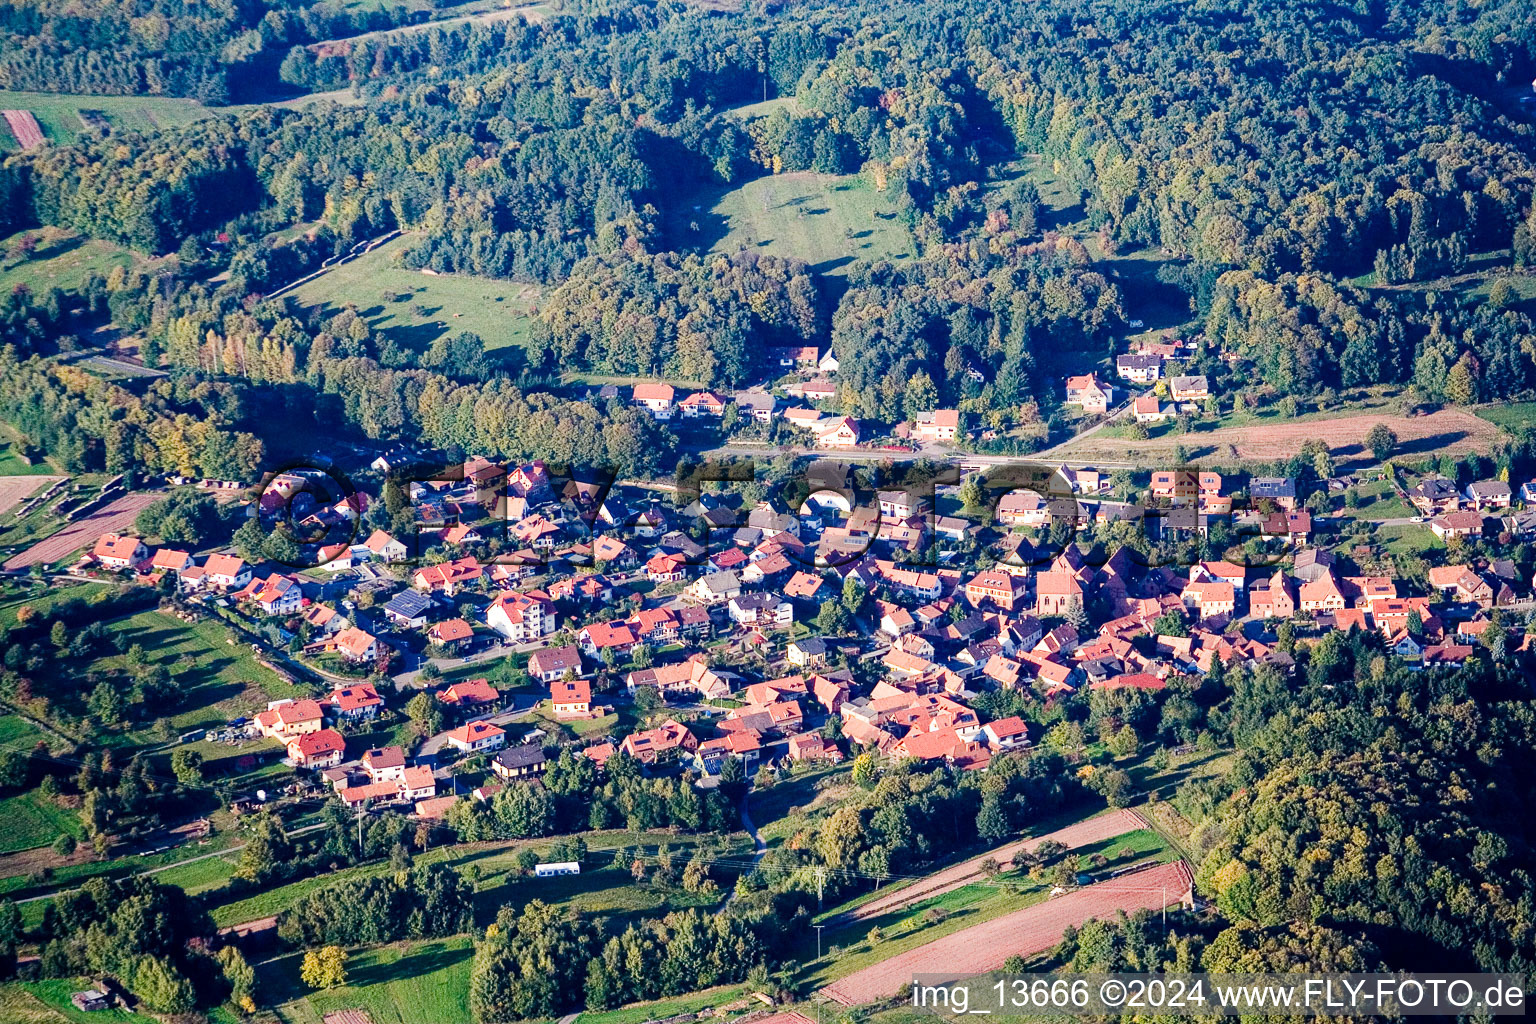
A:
<point x="702" y="405"/>
<point x="226" y="572"/>
<point x="656" y="399"/>
<point x="838" y="432"/>
<point x="447" y="577"/>
<point x="452" y="635"/>
<point x="664" y="743"/>
<point x="1147" y="409"/>
<point x="522" y="616"/>
<point x="1279" y="489"/>
<point x="1087" y="391"/>
<point x="716" y="588"/>
<point x="571" y="698"/>
<point x="473" y="737"/>
<point x="118" y="552"/>
<point x="938" y="425"/>
<point x="520" y="762"/>
<point x="1489" y="494"/>
<point x="1193" y="388"/>
<point x="322" y="748"/>
<point x="470" y="695"/>
<point x="384" y="547"/>
<point x="288" y="718"/>
<point x="409" y="609"/>
<point x="761" y="609"/>
<point x="1465" y="525"/>
<point x="554" y="663"/>
<point x="358" y="702"/>
<point x="1139" y="368"/>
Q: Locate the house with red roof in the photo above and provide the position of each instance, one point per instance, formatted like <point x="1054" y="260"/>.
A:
<point x="276" y="595"/>
<point x="597" y="637"/>
<point x="322" y="748"/>
<point x="447" y="577"/>
<point x="702" y="404"/>
<point x="522" y="616"/>
<point x="357" y="646"/>
<point x="170" y="560"/>
<point x="357" y="702"/>
<point x="1009" y="733"/>
<point x="664" y="743"/>
<point x="225" y="572"/>
<point x="470" y="694"/>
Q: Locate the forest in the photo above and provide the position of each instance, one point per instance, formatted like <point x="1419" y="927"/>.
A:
<point x="561" y="151"/>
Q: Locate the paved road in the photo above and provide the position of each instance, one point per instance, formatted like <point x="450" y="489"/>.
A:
<point x="759" y="847"/>
<point x="1082" y="833"/>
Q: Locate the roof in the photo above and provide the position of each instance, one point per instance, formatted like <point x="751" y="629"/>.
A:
<point x="384" y="757"/>
<point x="111" y="545"/>
<point x="290" y="712"/>
<point x="653" y="392"/>
<point x="354" y="641"/>
<point x="570" y="691"/>
<point x="377" y="541"/>
<point x="474" y="732"/>
<point x="350" y="698"/>
<point x="555" y="659"/>
<point x="450" y="630"/>
<point x="469" y="691"/>
<point x="526" y="755"/>
<point x="318" y="743"/>
<point x="224" y="565"/>
<point x="169" y="558"/>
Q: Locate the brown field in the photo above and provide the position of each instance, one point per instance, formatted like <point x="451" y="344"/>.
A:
<point x="16" y="489"/>
<point x="1082" y="833"/>
<point x="1448" y="430"/>
<point x="114" y="518"/>
<point x="1025" y="932"/>
<point x="25" y="127"/>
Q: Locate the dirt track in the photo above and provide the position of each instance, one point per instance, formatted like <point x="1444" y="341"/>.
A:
<point x="114" y="518"/>
<point x="1449" y="430"/>
<point x="16" y="489"/>
<point x="1024" y="932"/>
<point x="1082" y="833"/>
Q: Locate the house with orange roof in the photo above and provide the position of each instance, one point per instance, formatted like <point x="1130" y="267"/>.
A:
<point x="450" y="634"/>
<point x="1322" y="595"/>
<point x="1090" y="393"/>
<point x="667" y="567"/>
<point x="713" y="753"/>
<point x="597" y="637"/>
<point x="288" y="718"/>
<point x="691" y="677"/>
<point x="571" y="698"/>
<point x="357" y="702"/>
<point x="226" y="572"/>
<point x="656" y="399"/>
<point x="937" y="425"/>
<point x="170" y="560"/>
<point x="384" y="547"/>
<point x="473" y="737"/>
<point x="1009" y="733"/>
<point x="838" y="432"/>
<point x="276" y="595"/>
<point x="1210" y="598"/>
<point x="357" y="646"/>
<point x="702" y="405"/>
<point x="662" y="744"/>
<point x="118" y="552"/>
<point x="1001" y="589"/>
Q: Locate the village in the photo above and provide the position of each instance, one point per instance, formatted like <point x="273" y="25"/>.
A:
<point x="696" y="629"/>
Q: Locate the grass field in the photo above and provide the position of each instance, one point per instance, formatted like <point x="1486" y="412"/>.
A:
<point x="62" y="259"/>
<point x="59" y="113"/>
<point x="47" y="1002"/>
<point x="827" y="220"/>
<point x="405" y="983"/>
<point x="433" y="307"/>
<point x="1412" y="539"/>
<point x="218" y="680"/>
<point x="1380" y="500"/>
<point x="32" y="820"/>
<point x="1512" y="417"/>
